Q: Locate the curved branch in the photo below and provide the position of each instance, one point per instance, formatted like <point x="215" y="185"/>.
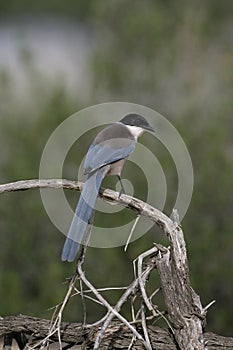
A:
<point x="37" y="183"/>
<point x="185" y="311"/>
<point x="127" y="201"/>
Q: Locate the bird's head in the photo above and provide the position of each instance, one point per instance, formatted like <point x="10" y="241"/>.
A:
<point x="136" y="123"/>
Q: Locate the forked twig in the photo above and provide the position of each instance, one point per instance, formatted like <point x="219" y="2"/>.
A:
<point x="130" y="291"/>
<point x="56" y="323"/>
<point x="111" y="310"/>
<point x="140" y="276"/>
<point x="183" y="304"/>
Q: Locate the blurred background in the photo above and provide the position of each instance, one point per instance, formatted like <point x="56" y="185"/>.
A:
<point x="57" y="58"/>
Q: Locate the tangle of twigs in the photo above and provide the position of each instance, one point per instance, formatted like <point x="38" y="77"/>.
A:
<point x="185" y="313"/>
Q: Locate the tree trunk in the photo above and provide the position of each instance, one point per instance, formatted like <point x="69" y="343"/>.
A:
<point x="117" y="336"/>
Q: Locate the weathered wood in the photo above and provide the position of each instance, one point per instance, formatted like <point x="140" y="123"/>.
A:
<point x="38" y="327"/>
<point x="116" y="337"/>
<point x="130" y="202"/>
<point x="183" y="305"/>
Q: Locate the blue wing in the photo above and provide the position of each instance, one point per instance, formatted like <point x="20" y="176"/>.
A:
<point x="101" y="154"/>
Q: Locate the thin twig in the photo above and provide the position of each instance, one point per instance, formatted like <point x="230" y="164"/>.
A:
<point x="209" y="305"/>
<point x="56" y="324"/>
<point x="133" y="320"/>
<point x="144" y="326"/>
<point x="141" y="279"/>
<point x="108" y="306"/>
<point x="131" y="290"/>
<point x="131" y="232"/>
<point x="83" y="303"/>
<point x="99" y="322"/>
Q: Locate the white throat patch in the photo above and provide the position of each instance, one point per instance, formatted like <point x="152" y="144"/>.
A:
<point x="135" y="130"/>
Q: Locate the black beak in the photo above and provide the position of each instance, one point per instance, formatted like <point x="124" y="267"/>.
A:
<point x="149" y="127"/>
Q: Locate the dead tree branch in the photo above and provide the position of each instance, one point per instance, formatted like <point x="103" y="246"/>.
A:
<point x="186" y="315"/>
<point x="117" y="337"/>
<point x="135" y="204"/>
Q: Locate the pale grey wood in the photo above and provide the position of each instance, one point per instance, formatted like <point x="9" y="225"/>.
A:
<point x="117" y="337"/>
<point x="184" y="308"/>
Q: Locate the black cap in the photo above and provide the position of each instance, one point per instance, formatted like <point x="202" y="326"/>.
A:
<point x="137" y="120"/>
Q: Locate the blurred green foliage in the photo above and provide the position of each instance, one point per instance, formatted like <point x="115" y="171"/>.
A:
<point x="171" y="56"/>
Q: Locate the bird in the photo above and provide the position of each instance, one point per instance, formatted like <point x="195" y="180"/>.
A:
<point x="106" y="156"/>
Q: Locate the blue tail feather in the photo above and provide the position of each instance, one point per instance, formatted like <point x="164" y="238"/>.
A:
<point x="82" y="215"/>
